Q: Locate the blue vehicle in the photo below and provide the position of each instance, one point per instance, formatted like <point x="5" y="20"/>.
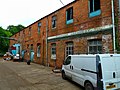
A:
<point x="15" y="49"/>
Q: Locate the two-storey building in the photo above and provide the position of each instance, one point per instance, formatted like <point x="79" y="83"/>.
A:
<point x="81" y="27"/>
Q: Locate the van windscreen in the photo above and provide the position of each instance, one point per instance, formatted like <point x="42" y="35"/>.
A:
<point x="67" y="61"/>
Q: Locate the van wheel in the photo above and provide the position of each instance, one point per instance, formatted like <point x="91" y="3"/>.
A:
<point x="63" y="75"/>
<point x="89" y="86"/>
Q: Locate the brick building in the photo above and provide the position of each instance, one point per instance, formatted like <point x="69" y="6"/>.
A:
<point x="82" y="26"/>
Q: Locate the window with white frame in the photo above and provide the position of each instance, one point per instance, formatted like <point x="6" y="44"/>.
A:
<point x="69" y="48"/>
<point x="94" y="8"/>
<point x="69" y="15"/>
<point x="38" y="50"/>
<point x="53" y="51"/>
<point x="54" y="21"/>
<point x="95" y="46"/>
<point x="39" y="26"/>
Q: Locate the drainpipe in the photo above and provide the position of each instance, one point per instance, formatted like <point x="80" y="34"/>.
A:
<point x="47" y="64"/>
<point x="119" y="7"/>
<point x="113" y="24"/>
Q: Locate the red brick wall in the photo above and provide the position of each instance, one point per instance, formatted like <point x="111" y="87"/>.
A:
<point x="80" y="47"/>
<point x="34" y="39"/>
<point x="81" y="22"/>
<point x="81" y="17"/>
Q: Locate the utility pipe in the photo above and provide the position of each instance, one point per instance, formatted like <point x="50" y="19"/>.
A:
<point x="113" y="24"/>
<point x="47" y="64"/>
<point x="119" y="6"/>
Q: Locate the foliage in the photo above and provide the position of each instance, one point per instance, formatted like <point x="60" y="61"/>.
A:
<point x="14" y="29"/>
<point x="3" y="42"/>
<point x="11" y="30"/>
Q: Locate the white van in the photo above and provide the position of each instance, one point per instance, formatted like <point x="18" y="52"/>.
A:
<point x="94" y="72"/>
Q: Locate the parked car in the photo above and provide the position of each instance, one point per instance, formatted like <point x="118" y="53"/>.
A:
<point x="94" y="72"/>
<point x="16" y="57"/>
<point x="7" y="56"/>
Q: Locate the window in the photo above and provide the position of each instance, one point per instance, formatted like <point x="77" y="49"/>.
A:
<point x="67" y="61"/>
<point x="23" y="33"/>
<point x="69" y="15"/>
<point x="30" y="31"/>
<point x="31" y="47"/>
<point x="38" y="50"/>
<point x="39" y="26"/>
<point x="69" y="48"/>
<point x="54" y="21"/>
<point x="53" y="51"/>
<point x="94" y="6"/>
<point x="27" y="46"/>
<point x="95" y="46"/>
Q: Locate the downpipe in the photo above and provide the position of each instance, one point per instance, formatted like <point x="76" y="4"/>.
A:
<point x="113" y="24"/>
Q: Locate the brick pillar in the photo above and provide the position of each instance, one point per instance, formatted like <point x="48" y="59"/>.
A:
<point x="107" y="43"/>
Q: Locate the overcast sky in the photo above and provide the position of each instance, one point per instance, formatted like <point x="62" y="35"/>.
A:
<point x="25" y="12"/>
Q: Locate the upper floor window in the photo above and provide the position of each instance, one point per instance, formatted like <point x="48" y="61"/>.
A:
<point x="23" y="32"/>
<point x="53" y="51"/>
<point x="27" y="46"/>
<point x="69" y="15"/>
<point x="31" y="48"/>
<point x="39" y="26"/>
<point x="94" y="6"/>
<point x="95" y="46"/>
<point x="30" y="31"/>
<point x="54" y="20"/>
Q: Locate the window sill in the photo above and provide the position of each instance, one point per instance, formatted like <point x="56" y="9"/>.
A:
<point x="95" y="13"/>
<point x="53" y="28"/>
<point x="69" y="21"/>
<point x="53" y="57"/>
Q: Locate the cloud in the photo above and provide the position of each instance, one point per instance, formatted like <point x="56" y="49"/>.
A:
<point x="25" y="12"/>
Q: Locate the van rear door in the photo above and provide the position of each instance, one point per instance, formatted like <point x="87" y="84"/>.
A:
<point x="117" y="64"/>
<point x="110" y="71"/>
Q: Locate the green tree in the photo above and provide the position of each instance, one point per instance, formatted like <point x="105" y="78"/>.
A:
<point x="5" y="35"/>
<point x="4" y="43"/>
<point x="14" y="29"/>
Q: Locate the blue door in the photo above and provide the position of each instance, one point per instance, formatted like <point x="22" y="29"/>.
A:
<point x="23" y="53"/>
<point x="31" y="55"/>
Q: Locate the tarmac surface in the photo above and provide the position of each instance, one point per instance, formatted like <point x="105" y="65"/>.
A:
<point x="20" y="76"/>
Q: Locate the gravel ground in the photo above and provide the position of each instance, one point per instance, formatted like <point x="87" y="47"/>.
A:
<point x="20" y="76"/>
